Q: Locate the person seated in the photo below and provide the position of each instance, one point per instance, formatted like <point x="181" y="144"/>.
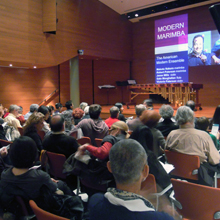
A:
<point x="188" y="140"/>
<point x="34" y="124"/>
<point x="51" y="112"/>
<point x="93" y="127"/>
<point x="167" y="123"/>
<point x="20" y="116"/>
<point x="68" y="116"/>
<point x="83" y="105"/>
<point x="58" y="142"/>
<point x="86" y="113"/>
<point x="134" y="123"/>
<point x="58" y="107"/>
<point x="216" y="117"/>
<point x="121" y="117"/>
<point x="117" y="132"/>
<point x="33" y="108"/>
<point x="150" y="118"/>
<point x="203" y="124"/>
<point x="114" y="112"/>
<point x="45" y="111"/>
<point x="148" y="103"/>
<point x="77" y="115"/>
<point x="24" y="180"/>
<point x="128" y="164"/>
<point x="11" y="117"/>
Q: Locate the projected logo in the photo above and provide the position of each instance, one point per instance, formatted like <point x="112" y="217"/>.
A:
<point x="171" y="49"/>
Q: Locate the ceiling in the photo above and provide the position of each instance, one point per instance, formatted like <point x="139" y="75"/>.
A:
<point x="123" y="7"/>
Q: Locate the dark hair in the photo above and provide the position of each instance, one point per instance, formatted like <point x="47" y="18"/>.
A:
<point x="199" y="35"/>
<point x="191" y="104"/>
<point x="119" y="105"/>
<point x="114" y="112"/>
<point x="144" y="136"/>
<point x="95" y="111"/>
<point x="56" y="124"/>
<point x="58" y="105"/>
<point x="43" y="109"/>
<point x="69" y="104"/>
<point x="216" y="116"/>
<point x="148" y="102"/>
<point x="202" y="123"/>
<point x="23" y="152"/>
<point x="51" y="108"/>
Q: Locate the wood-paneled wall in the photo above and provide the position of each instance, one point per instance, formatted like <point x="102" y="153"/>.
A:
<point x="143" y="63"/>
<point x="87" y="25"/>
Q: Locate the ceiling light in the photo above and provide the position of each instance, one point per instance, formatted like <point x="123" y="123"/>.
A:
<point x="136" y="15"/>
<point x="35" y="67"/>
<point x="10" y="65"/>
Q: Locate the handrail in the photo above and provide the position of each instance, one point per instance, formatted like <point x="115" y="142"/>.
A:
<point x="51" y="94"/>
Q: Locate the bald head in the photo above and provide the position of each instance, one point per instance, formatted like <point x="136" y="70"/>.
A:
<point x="57" y="123"/>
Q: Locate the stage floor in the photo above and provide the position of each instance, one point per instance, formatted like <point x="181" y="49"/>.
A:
<point x="206" y="111"/>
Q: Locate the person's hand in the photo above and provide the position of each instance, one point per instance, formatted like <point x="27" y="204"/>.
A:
<point x="203" y="58"/>
<point x="216" y="59"/>
<point x="3" y="152"/>
<point x="55" y="181"/>
<point x="82" y="149"/>
<point x="59" y="192"/>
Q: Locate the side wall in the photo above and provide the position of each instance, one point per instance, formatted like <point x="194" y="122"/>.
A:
<point x="143" y="64"/>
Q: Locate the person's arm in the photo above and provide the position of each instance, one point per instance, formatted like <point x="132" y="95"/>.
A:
<point x="212" y="153"/>
<point x="99" y="152"/>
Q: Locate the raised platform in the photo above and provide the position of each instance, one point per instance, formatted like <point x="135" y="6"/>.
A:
<point x="206" y="111"/>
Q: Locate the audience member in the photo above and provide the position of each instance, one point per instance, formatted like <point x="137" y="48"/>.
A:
<point x="188" y="140"/>
<point x="83" y="105"/>
<point x="21" y="180"/>
<point x="128" y="164"/>
<point x="77" y="115"/>
<point x="1" y="111"/>
<point x="11" y="118"/>
<point x="121" y="117"/>
<point x="148" y="103"/>
<point x="86" y="113"/>
<point x="150" y="118"/>
<point x="167" y="122"/>
<point x="118" y="131"/>
<point x="68" y="116"/>
<point x="58" y="107"/>
<point x="20" y="116"/>
<point x="58" y="142"/>
<point x="203" y="124"/>
<point x="34" y="124"/>
<point x="33" y="108"/>
<point x="51" y="112"/>
<point x="93" y="127"/>
<point x="2" y="133"/>
<point x="191" y="104"/>
<point x="114" y="113"/>
<point x="134" y="123"/>
<point x="216" y="117"/>
<point x="45" y="111"/>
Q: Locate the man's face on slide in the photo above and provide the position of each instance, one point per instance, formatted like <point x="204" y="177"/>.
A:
<point x="198" y="45"/>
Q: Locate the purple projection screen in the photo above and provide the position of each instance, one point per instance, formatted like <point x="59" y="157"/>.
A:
<point x="171" y="49"/>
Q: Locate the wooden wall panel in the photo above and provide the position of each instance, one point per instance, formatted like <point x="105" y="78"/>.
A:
<point x="107" y="73"/>
<point x="64" y="82"/>
<point x="25" y="87"/>
<point x="143" y="63"/>
<point x="86" y="81"/>
<point x="87" y="24"/>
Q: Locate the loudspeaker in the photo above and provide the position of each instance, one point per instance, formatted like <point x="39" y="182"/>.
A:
<point x="215" y="12"/>
<point x="80" y="52"/>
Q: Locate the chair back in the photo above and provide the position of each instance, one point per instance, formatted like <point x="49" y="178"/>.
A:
<point x="98" y="142"/>
<point x="186" y="166"/>
<point x="20" y="129"/>
<point x="55" y="163"/>
<point x="84" y="140"/>
<point x="197" y="201"/>
<point x="74" y="134"/>
<point x="43" y="215"/>
<point x="148" y="186"/>
<point x="5" y="143"/>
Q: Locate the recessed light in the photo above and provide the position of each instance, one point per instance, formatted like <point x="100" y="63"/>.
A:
<point x="35" y="67"/>
<point x="10" y="65"/>
<point x="136" y="15"/>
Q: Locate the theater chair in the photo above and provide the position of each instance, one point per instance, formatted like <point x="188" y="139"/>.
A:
<point x="196" y="202"/>
<point x="84" y="140"/>
<point x="98" y="142"/>
<point x="5" y="143"/>
<point x="43" y="215"/>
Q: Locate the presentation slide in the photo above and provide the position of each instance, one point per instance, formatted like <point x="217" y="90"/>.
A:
<point x="171" y="49"/>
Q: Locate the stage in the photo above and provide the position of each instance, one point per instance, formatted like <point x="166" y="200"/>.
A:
<point x="206" y="111"/>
